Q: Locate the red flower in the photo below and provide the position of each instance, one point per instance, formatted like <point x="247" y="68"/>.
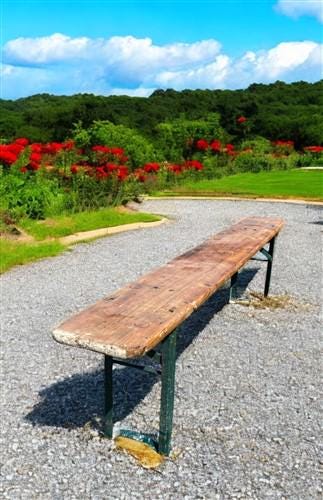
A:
<point x="241" y="119"/>
<point x="140" y="175"/>
<point x="52" y="148"/>
<point x="36" y="147"/>
<point x="122" y="173"/>
<point x="215" y="146"/>
<point x="34" y="166"/>
<point x="101" y="149"/>
<point x="123" y="159"/>
<point x="177" y="169"/>
<point x="7" y="156"/>
<point x="68" y="145"/>
<point x="117" y="151"/>
<point x="111" y="167"/>
<point x="314" y="149"/>
<point x="289" y="144"/>
<point x="22" y="141"/>
<point x="101" y="173"/>
<point x="195" y="164"/>
<point x="35" y="157"/>
<point x="202" y="144"/>
<point x="15" y="148"/>
<point x="74" y="169"/>
<point x="151" y="167"/>
<point x="24" y="170"/>
<point x="229" y="149"/>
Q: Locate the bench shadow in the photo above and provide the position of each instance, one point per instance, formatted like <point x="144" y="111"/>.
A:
<point x="78" y="400"/>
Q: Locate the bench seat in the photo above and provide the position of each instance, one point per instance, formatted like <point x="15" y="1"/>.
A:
<point x="135" y="319"/>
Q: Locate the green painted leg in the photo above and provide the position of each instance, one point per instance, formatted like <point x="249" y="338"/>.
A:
<point x="269" y="266"/>
<point x="233" y="291"/>
<point x="167" y="393"/>
<point x="108" y="397"/>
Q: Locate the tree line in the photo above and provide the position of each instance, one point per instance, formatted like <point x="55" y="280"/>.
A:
<point x="277" y="111"/>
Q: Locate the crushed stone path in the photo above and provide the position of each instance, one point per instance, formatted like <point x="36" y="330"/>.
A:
<point x="247" y="409"/>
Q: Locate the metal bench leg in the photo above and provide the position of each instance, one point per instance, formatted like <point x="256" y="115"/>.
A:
<point x="167" y="393"/>
<point x="108" y="397"/>
<point x="232" y="290"/>
<point x="269" y="266"/>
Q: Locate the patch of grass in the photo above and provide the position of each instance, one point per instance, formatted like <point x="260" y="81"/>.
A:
<point x="13" y="253"/>
<point x="301" y="184"/>
<point x="64" y="225"/>
<point x="258" y="301"/>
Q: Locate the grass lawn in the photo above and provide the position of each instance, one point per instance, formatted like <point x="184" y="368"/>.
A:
<point x="13" y="252"/>
<point x="301" y="184"/>
<point x="65" y="225"/>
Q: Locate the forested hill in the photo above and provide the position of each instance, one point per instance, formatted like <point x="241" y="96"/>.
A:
<point x="276" y="111"/>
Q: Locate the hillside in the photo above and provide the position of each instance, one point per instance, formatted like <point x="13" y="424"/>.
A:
<point x="276" y="111"/>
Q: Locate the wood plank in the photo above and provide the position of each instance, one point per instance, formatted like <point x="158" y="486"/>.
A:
<point x="136" y="318"/>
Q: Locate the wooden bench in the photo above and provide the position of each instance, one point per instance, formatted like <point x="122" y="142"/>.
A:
<point x="141" y="318"/>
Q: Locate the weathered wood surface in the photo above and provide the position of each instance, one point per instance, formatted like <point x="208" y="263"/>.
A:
<point x="136" y="318"/>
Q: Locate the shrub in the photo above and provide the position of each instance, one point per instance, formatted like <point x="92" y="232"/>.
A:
<point x="258" y="145"/>
<point x="29" y="194"/>
<point x="138" y="149"/>
<point x="177" y="139"/>
<point x="250" y="162"/>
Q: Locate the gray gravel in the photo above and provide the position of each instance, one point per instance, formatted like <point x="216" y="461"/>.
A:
<point x="246" y="421"/>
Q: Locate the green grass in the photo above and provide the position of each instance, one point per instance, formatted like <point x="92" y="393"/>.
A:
<point x="65" y="225"/>
<point x="13" y="254"/>
<point x="301" y="184"/>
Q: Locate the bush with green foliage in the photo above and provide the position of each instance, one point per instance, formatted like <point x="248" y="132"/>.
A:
<point x="137" y="148"/>
<point x="176" y="138"/>
<point x="30" y="194"/>
<point x="259" y="145"/>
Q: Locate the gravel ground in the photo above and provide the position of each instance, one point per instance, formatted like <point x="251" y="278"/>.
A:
<point x="246" y="422"/>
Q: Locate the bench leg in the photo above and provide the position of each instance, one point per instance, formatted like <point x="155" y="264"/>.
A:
<point x="167" y="393"/>
<point x="232" y="290"/>
<point x="108" y="396"/>
<point x="269" y="266"/>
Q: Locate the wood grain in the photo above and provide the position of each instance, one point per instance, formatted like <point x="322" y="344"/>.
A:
<point x="136" y="318"/>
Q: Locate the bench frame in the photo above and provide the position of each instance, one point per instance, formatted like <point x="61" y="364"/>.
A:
<point x="165" y="356"/>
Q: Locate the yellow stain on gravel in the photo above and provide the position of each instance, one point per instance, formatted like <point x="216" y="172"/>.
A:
<point x="145" y="454"/>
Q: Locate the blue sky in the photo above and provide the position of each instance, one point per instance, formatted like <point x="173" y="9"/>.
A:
<point x="133" y="47"/>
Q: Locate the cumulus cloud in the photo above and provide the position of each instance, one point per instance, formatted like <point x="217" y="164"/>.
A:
<point x="287" y="61"/>
<point x="297" y="8"/>
<point x="208" y="75"/>
<point x="117" y="49"/>
<point x="136" y="66"/>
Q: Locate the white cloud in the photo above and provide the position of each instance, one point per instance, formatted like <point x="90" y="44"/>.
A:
<point x="119" y="60"/>
<point x="283" y="58"/>
<point x="285" y="61"/>
<point x="128" y="65"/>
<point x="208" y="75"/>
<point x="297" y="8"/>
<point x="44" y="50"/>
<point x="117" y="49"/>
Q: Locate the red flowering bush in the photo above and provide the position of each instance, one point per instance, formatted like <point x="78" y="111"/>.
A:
<point x="10" y="153"/>
<point x="216" y="146"/>
<point x="283" y="147"/>
<point x="202" y="145"/>
<point x="313" y="155"/>
<point x="314" y="149"/>
<point x="7" y="156"/>
<point x="97" y="175"/>
<point x="151" y="167"/>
